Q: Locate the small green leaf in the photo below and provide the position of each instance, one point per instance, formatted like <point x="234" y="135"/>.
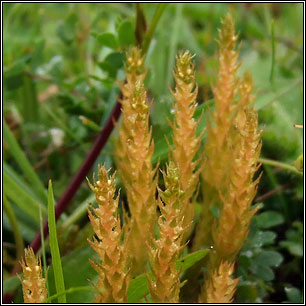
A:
<point x="116" y="59"/>
<point x="108" y="40"/>
<point x="126" y="34"/>
<point x="263" y="272"/>
<point x="56" y="258"/>
<point x="263" y="238"/>
<point x="269" y="219"/>
<point x="293" y="294"/>
<point x="295" y="248"/>
<point x="269" y="258"/>
<point x="139" y="286"/>
<point x="109" y="69"/>
<point x="112" y="63"/>
<point x="67" y="29"/>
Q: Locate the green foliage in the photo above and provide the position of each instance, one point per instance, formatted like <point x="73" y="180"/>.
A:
<point x="126" y="34"/>
<point x="294" y="239"/>
<point x="108" y="40"/>
<point x="269" y="219"/>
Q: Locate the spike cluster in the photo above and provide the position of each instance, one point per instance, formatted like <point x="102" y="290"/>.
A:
<point x="186" y="144"/>
<point x="113" y="271"/>
<point x="234" y="195"/>
<point x="218" y="146"/>
<point x="34" y="284"/>
<point x="220" y="287"/>
<point x="165" y="285"/>
<point x="134" y="151"/>
<point x="236" y="214"/>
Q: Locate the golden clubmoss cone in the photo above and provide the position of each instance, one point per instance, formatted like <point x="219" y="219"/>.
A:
<point x="230" y="230"/>
<point x="165" y="285"/>
<point x="134" y="151"/>
<point x="218" y="146"/>
<point x="219" y="287"/>
<point x="236" y="213"/>
<point x="34" y="284"/>
<point x="113" y="271"/>
<point x="186" y="144"/>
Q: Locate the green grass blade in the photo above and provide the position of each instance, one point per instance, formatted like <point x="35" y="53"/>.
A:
<point x="174" y="41"/>
<point x="24" y="164"/>
<point x="43" y="248"/>
<point x="15" y="227"/>
<point x="28" y="100"/>
<point x="21" y="183"/>
<point x="70" y="290"/>
<point x="56" y="258"/>
<point x="149" y="34"/>
<point x="139" y="286"/>
<point x="273" y="54"/>
<point x="281" y="165"/>
<point x="20" y="197"/>
<point x="78" y="213"/>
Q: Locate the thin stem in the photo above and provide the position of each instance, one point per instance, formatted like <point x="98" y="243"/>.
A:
<point x="78" y="213"/>
<point x="15" y="228"/>
<point x="283" y="93"/>
<point x="70" y="290"/>
<point x="273" y="54"/>
<point x="270" y="193"/>
<point x="149" y="35"/>
<point x="281" y="165"/>
<point x="174" y="39"/>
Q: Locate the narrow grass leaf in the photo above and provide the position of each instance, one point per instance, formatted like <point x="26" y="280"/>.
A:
<point x="14" y="225"/>
<point x="273" y="54"/>
<point x="24" y="164"/>
<point x="56" y="258"/>
<point x="70" y="290"/>
<point x="20" y="181"/>
<point x="20" y="197"/>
